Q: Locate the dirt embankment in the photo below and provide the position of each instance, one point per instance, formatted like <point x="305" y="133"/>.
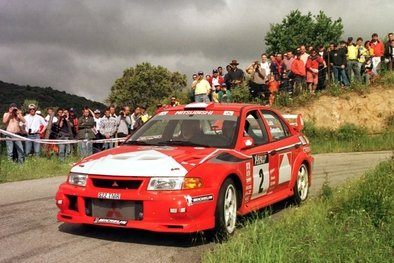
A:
<point x="369" y="110"/>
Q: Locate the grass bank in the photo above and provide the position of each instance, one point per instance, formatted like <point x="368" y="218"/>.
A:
<point x="33" y="168"/>
<point x="354" y="223"/>
<point x="348" y="138"/>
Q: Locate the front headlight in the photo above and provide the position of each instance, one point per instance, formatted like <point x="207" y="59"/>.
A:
<point x="77" y="179"/>
<point x="165" y="183"/>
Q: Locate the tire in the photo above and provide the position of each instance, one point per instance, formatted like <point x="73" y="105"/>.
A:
<point x="226" y="210"/>
<point x="301" y="186"/>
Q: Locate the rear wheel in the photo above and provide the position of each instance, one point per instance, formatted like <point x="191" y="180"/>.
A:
<point x="226" y="210"/>
<point x="301" y="187"/>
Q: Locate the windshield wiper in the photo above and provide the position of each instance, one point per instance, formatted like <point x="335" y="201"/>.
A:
<point x="182" y="143"/>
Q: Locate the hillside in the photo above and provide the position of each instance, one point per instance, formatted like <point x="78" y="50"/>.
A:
<point x="46" y="97"/>
<point x="370" y="109"/>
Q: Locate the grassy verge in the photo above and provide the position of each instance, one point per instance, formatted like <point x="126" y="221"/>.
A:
<point x="348" y="138"/>
<point x="33" y="168"/>
<point x="352" y="224"/>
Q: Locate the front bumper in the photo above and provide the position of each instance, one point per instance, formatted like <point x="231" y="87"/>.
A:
<point x="183" y="211"/>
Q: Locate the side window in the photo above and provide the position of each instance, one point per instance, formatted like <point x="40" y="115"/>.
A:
<point x="277" y="127"/>
<point x="254" y="127"/>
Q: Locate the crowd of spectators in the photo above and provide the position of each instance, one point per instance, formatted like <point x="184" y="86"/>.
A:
<point x="64" y="127"/>
<point x="309" y="70"/>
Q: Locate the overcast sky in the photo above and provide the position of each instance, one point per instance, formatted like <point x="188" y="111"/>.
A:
<point x="82" y="47"/>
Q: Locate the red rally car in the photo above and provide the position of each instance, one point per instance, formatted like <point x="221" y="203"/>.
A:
<point x="191" y="168"/>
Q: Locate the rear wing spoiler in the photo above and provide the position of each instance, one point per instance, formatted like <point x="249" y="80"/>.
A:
<point x="295" y="121"/>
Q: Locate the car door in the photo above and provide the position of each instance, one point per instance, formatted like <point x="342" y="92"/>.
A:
<point x="254" y="127"/>
<point x="283" y="148"/>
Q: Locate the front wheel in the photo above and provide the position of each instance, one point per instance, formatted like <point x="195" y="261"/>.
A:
<point x="226" y="210"/>
<point x="301" y="187"/>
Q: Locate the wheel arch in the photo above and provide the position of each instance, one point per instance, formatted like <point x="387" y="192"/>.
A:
<point x="239" y="187"/>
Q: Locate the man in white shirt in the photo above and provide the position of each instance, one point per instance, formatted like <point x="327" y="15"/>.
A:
<point x="33" y="124"/>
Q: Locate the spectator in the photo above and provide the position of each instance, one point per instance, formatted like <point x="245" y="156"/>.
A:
<point x="12" y="120"/>
<point x="257" y="79"/>
<point x="388" y="51"/>
<point x="33" y="123"/>
<point x="63" y="131"/>
<point x="86" y="133"/>
<point x="367" y="45"/>
<point x="50" y="112"/>
<point x="265" y="64"/>
<point x="298" y="73"/>
<point x="201" y="89"/>
<point x="134" y="117"/>
<point x="352" y="61"/>
<point x="236" y="75"/>
<point x="74" y="120"/>
<point x="322" y="75"/>
<point x="312" y="70"/>
<point x="215" y="93"/>
<point x="220" y="72"/>
<point x="112" y="110"/>
<point x="304" y="56"/>
<point x="108" y="128"/>
<point x="338" y="62"/>
<point x="174" y="102"/>
<point x="224" y="94"/>
<point x="362" y="52"/>
<point x="367" y="72"/>
<point x="327" y="59"/>
<point x="378" y="52"/>
<point x="98" y="136"/>
<point x="278" y="68"/>
<point x="288" y="60"/>
<point x="194" y="83"/>
<point x="389" y="55"/>
<point x="273" y="87"/>
<point x="123" y="122"/>
<point x="216" y="79"/>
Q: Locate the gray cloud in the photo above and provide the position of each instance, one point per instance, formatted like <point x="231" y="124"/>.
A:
<point x="83" y="46"/>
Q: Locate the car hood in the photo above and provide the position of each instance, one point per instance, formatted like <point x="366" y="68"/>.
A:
<point x="144" y="161"/>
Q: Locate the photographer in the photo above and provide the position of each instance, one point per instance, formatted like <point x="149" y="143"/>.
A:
<point x="13" y="118"/>
<point x="86" y="132"/>
<point x="257" y="86"/>
<point x="123" y="122"/>
<point x="62" y="129"/>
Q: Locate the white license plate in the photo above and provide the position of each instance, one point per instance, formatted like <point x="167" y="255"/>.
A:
<point x="115" y="196"/>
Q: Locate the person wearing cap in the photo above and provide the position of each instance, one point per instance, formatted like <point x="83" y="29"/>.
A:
<point x="235" y="76"/>
<point x="12" y="119"/>
<point x="217" y="81"/>
<point x="202" y="88"/>
<point x="33" y="123"/>
<point x="224" y="94"/>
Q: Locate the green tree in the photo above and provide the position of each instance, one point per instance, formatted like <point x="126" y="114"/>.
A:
<point x="146" y="84"/>
<point x="297" y="29"/>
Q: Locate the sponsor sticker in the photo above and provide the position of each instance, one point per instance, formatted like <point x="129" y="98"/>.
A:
<point x="190" y="200"/>
<point x="163" y="113"/>
<point x="113" y="196"/>
<point x="260" y="158"/>
<point x="110" y="221"/>
<point x="194" y="112"/>
<point x="228" y="113"/>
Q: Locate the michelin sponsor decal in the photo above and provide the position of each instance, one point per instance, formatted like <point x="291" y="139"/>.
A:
<point x="191" y="200"/>
<point x="110" y="221"/>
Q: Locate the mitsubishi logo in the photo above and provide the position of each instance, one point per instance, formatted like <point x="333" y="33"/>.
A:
<point x="115" y="184"/>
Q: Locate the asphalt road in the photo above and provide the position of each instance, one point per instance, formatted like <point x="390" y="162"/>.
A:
<point x="29" y="231"/>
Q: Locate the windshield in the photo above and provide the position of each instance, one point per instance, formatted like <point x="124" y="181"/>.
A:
<point x="217" y="131"/>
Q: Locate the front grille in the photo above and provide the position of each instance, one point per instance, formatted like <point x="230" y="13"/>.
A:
<point x="114" y="209"/>
<point x="116" y="184"/>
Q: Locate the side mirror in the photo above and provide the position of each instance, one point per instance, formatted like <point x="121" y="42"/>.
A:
<point x="247" y="142"/>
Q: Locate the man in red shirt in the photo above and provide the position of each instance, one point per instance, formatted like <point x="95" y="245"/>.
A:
<point x="299" y="73"/>
<point x="378" y="50"/>
<point x="312" y="70"/>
